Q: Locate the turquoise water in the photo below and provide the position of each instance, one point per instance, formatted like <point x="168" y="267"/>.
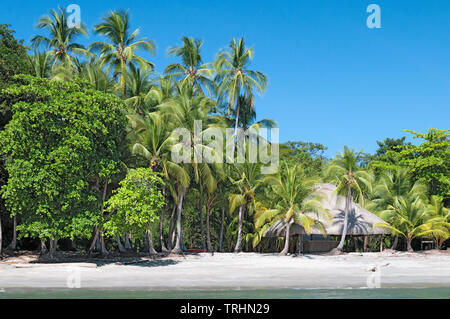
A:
<point x="391" y="293"/>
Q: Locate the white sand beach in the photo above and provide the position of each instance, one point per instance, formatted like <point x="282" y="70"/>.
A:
<point x="244" y="270"/>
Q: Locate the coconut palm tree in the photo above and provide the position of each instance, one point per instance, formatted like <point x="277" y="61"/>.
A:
<point x="350" y="180"/>
<point x="442" y="220"/>
<point x="392" y="185"/>
<point x="150" y="138"/>
<point x="414" y="220"/>
<point x="61" y="39"/>
<point x="293" y="201"/>
<point x="95" y="74"/>
<point x="42" y="64"/>
<point x="121" y="51"/>
<point x="139" y="84"/>
<point x="191" y="69"/>
<point x="248" y="179"/>
<point x="234" y="78"/>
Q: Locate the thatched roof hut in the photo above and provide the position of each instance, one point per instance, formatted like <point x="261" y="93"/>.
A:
<point x="360" y="220"/>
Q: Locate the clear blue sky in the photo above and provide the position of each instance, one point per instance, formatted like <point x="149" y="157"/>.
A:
<point x="331" y="79"/>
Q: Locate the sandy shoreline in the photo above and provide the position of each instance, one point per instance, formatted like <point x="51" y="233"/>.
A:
<point x="244" y="270"/>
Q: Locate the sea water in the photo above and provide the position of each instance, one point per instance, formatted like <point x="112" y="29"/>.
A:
<point x="290" y="293"/>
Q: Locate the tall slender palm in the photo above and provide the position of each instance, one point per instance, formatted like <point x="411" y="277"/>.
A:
<point x="234" y="78"/>
<point x="247" y="117"/>
<point x="350" y="179"/>
<point x="192" y="69"/>
<point x="293" y="201"/>
<point x="248" y="179"/>
<point x="61" y="38"/>
<point x="121" y="51"/>
<point x="150" y="138"/>
<point x="139" y="84"/>
<point x="183" y="111"/>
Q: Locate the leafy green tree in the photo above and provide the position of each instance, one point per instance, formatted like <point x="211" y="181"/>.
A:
<point x="121" y="51"/>
<point x="13" y="56"/>
<point x="429" y="161"/>
<point x="62" y="147"/>
<point x="135" y="205"/>
<point x="442" y="220"/>
<point x="234" y="78"/>
<point x="344" y="171"/>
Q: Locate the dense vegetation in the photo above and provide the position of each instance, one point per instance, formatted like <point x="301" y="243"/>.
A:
<point x="87" y="136"/>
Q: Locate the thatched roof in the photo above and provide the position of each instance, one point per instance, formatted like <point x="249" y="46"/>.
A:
<point x="360" y="220"/>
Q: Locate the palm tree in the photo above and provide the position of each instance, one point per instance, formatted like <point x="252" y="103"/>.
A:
<point x="394" y="184"/>
<point x="234" y="78"/>
<point x="121" y="51"/>
<point x="442" y="220"/>
<point x="41" y="63"/>
<point x="350" y="179"/>
<point x="249" y="175"/>
<point x="414" y="220"/>
<point x="150" y="138"/>
<point x="94" y="73"/>
<point x="247" y="118"/>
<point x="139" y="84"/>
<point x="293" y="201"/>
<point x="61" y="39"/>
<point x="192" y="69"/>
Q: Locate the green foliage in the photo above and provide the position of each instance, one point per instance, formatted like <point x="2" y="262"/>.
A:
<point x="429" y="161"/>
<point x="135" y="204"/>
<point x="63" y="140"/>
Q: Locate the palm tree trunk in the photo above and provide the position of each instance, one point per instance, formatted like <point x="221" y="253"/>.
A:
<point x="408" y="245"/>
<point x="123" y="77"/>
<point x="208" y="233"/>
<point x="221" y="230"/>
<point x="238" y="106"/>
<point x="151" y="249"/>
<point x="286" y="239"/>
<point x="103" y="250"/>
<point x="119" y="243"/>
<point x="238" y="247"/>
<point x="348" y="206"/>
<point x="394" y="245"/>
<point x="102" y="240"/>
<point x="202" y="228"/>
<point x="94" y="241"/>
<point x="171" y="228"/>
<point x="179" y="243"/>
<point x="161" y="222"/>
<point x="13" y="244"/>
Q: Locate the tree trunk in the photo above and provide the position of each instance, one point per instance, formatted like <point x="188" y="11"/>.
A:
<point x="151" y="249"/>
<point x="381" y="243"/>
<point x="394" y="245"/>
<point x="221" y="230"/>
<point x="103" y="250"/>
<point x="366" y="242"/>
<point x="127" y="241"/>
<point x="408" y="245"/>
<point x="171" y="228"/>
<point x="179" y="243"/>
<point x="238" y="247"/>
<point x="123" y="79"/>
<point x="285" y="250"/>
<point x="94" y="241"/>
<point x="202" y="228"/>
<point x="208" y="232"/>
<point x="102" y="240"/>
<point x="161" y="234"/>
<point x="44" y="250"/>
<point x="13" y="244"/>
<point x="238" y="106"/>
<point x="348" y="206"/>
<point x="119" y="244"/>
<point x="52" y="251"/>
<point x="1" y="237"/>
